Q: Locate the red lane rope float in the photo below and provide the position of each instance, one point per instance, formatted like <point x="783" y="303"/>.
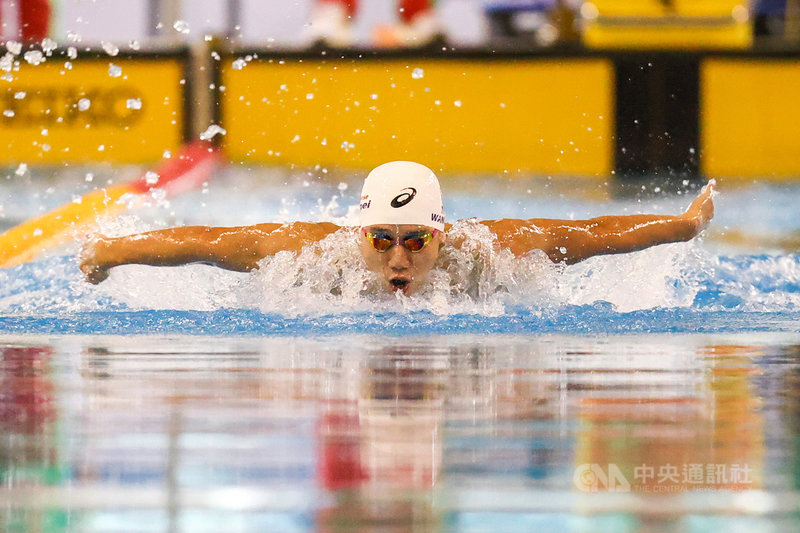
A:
<point x="187" y="169"/>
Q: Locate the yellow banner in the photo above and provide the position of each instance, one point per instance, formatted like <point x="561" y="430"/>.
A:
<point x="665" y="24"/>
<point x="114" y="109"/>
<point x="750" y="118"/>
<point x="546" y="116"/>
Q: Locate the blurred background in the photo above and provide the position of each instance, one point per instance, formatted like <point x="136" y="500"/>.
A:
<point x="473" y="22"/>
<point x="618" y="94"/>
<point x="608" y="87"/>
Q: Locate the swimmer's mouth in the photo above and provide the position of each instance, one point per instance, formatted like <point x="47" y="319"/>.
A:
<point x="399" y="283"/>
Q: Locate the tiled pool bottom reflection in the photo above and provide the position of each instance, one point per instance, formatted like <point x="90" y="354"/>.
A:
<point x="458" y="433"/>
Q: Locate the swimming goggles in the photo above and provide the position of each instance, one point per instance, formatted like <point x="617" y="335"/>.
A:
<point x="413" y="242"/>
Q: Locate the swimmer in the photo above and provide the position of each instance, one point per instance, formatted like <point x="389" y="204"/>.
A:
<point x="401" y="233"/>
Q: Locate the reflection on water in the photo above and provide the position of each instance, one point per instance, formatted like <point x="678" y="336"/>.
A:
<point x="459" y="433"/>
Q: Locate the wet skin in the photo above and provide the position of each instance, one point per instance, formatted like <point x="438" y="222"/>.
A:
<point x="401" y="269"/>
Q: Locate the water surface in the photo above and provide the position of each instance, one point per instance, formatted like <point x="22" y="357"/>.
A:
<point x="624" y="433"/>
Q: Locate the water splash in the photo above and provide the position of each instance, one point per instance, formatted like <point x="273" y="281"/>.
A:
<point x="327" y="288"/>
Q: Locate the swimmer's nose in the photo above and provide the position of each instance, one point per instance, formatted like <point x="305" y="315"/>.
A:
<point x="398" y="258"/>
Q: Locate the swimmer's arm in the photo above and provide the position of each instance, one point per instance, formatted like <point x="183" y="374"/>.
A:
<point x="236" y="248"/>
<point x="571" y="241"/>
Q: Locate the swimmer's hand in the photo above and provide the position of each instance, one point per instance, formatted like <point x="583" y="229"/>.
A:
<point x="93" y="269"/>
<point x="701" y="211"/>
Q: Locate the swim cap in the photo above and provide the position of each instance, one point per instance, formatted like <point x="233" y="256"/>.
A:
<point x="402" y="192"/>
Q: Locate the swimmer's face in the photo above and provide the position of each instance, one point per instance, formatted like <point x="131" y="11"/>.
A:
<point x="400" y="268"/>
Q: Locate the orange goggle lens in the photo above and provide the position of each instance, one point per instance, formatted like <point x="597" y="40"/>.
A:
<point x="414" y="242"/>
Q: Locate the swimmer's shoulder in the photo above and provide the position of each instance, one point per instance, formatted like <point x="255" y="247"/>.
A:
<point x="270" y="238"/>
<point x="520" y="236"/>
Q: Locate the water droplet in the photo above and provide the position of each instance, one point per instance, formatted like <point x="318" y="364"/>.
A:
<point x="457" y="103"/>
<point x="84" y="104"/>
<point x="150" y="177"/>
<point x="211" y="131"/>
<point x="239" y="64"/>
<point x="19" y="95"/>
<point x="110" y="48"/>
<point x="310" y="96"/>
<point x="133" y="103"/>
<point x="133" y="44"/>
<point x="48" y="45"/>
<point x="14" y="47"/>
<point x="8" y="113"/>
<point x="418" y="73"/>
<point x="115" y="71"/>
<point x="89" y="177"/>
<point x="181" y="26"/>
<point x="72" y="52"/>
<point x="21" y="169"/>
<point x="7" y="62"/>
<point x="34" y="57"/>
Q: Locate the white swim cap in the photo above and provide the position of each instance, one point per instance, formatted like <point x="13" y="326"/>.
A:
<point x="402" y="192"/>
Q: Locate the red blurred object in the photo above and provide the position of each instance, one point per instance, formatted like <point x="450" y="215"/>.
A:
<point x="339" y="456"/>
<point x="26" y="390"/>
<point x="406" y="9"/>
<point x="33" y="19"/>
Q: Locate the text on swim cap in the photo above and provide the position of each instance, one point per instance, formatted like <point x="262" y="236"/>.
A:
<point x="435" y="217"/>
<point x="365" y="205"/>
<point x="404" y="197"/>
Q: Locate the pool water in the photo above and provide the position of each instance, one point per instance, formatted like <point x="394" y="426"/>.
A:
<point x="742" y="275"/>
<point x="655" y="391"/>
<point x="688" y="432"/>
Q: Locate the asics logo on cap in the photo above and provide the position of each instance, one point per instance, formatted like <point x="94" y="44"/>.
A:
<point x="404" y="197"/>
